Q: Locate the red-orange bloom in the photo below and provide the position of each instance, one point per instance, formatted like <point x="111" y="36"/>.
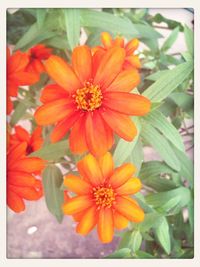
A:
<point x="21" y="181"/>
<point x="33" y="141"/>
<point x="102" y="196"/>
<point x="93" y="98"/>
<point x="131" y="60"/>
<point x="17" y="75"/>
<point x="37" y="55"/>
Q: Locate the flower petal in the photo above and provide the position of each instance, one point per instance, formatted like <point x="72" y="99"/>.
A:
<point x="97" y="133"/>
<point x="28" y="193"/>
<point x="53" y="112"/>
<point x="82" y="62"/>
<point x="129" y="210"/>
<point x="122" y="174"/>
<point x="29" y="165"/>
<point x="24" y="78"/>
<point x="132" y="61"/>
<point x="15" y="153"/>
<point x="17" y="62"/>
<point x="125" y="81"/>
<point x="120" y="222"/>
<point x="105" y="226"/>
<point x="22" y="134"/>
<point x="106" y="165"/>
<point x="76" y="184"/>
<point x="53" y="92"/>
<point x="109" y="67"/>
<point x="96" y="60"/>
<point x="89" y="169"/>
<point x="15" y="202"/>
<point x="121" y="124"/>
<point x="131" y="46"/>
<point x="20" y="178"/>
<point x="87" y="222"/>
<point x="132" y="186"/>
<point x="62" y="73"/>
<point x="127" y="103"/>
<point x="77" y="204"/>
<point x="106" y="39"/>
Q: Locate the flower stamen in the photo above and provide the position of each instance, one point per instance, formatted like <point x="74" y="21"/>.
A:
<point x="103" y="196"/>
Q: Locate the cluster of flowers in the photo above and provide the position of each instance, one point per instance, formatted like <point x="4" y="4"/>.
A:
<point x="90" y="97"/>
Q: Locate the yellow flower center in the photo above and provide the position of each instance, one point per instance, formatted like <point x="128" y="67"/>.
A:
<point x="104" y="196"/>
<point x="89" y="97"/>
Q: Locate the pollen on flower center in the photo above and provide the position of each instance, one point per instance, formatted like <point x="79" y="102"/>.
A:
<point x="104" y="196"/>
<point x="89" y="97"/>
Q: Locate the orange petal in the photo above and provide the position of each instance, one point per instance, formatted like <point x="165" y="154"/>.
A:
<point x="109" y="67"/>
<point x="119" y="41"/>
<point x="28" y="193"/>
<point x="53" y="92"/>
<point x="106" y="165"/>
<point x="12" y="88"/>
<point x="132" y="61"/>
<point x="132" y="186"/>
<point x="78" y="216"/>
<point x="129" y="210"/>
<point x="21" y="178"/>
<point x="89" y="169"/>
<point x="22" y="134"/>
<point x="37" y="66"/>
<point x="120" y="222"/>
<point x="76" y="184"/>
<point x="77" y="141"/>
<point x="15" y="202"/>
<point x="62" y="74"/>
<point x="16" y="153"/>
<point x="106" y="39"/>
<point x="125" y="81"/>
<point x="29" y="165"/>
<point x="96" y="60"/>
<point x="24" y="78"/>
<point x="121" y="124"/>
<point x="87" y="222"/>
<point x="82" y="62"/>
<point x="9" y="106"/>
<point x="122" y="174"/>
<point x="77" y="204"/>
<point x="63" y="127"/>
<point x="96" y="133"/>
<point x="17" y="62"/>
<point x="131" y="46"/>
<point x="127" y="103"/>
<point x="105" y="226"/>
<point x="53" y="112"/>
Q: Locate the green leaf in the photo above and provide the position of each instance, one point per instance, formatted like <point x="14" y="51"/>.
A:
<point x="183" y="100"/>
<point x="137" y="156"/>
<point x="159" y="121"/>
<point x="150" y="220"/>
<point x="163" y="235"/>
<point x="120" y="254"/>
<point x="52" y="179"/>
<point x="136" y="240"/>
<point x="170" y="40"/>
<point x="189" y="39"/>
<point x="124" y="149"/>
<point x="73" y="28"/>
<point x="40" y="16"/>
<point x="161" y="145"/>
<point x="143" y="255"/>
<point x="168" y="82"/>
<point x="18" y="113"/>
<point x="52" y="151"/>
<point x="156" y="75"/>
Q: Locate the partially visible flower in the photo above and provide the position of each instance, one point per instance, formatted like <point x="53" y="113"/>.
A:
<point x="92" y="98"/>
<point x="34" y="141"/>
<point x="21" y="181"/>
<point x="37" y="55"/>
<point x="103" y="196"/>
<point x="131" y="60"/>
<point x="17" y="75"/>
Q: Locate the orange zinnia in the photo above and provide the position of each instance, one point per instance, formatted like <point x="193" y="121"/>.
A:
<point x="33" y="141"/>
<point x="102" y="196"/>
<point x="17" y="75"/>
<point x="131" y="60"/>
<point x="93" y="98"/>
<point x="21" y="182"/>
<point x="37" y="54"/>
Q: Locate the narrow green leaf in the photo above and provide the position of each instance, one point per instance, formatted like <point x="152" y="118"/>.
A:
<point x="161" y="145"/>
<point x="159" y="121"/>
<point x="168" y="82"/>
<point x="150" y="220"/>
<point x="52" y="151"/>
<point x="18" y="113"/>
<point x="156" y="75"/>
<point x="170" y="40"/>
<point x="52" y="179"/>
<point x="189" y="39"/>
<point x="120" y="254"/>
<point x="163" y="235"/>
<point x="183" y="100"/>
<point x="124" y="148"/>
<point x="136" y="240"/>
<point x="137" y="156"/>
<point x="143" y="255"/>
<point x="72" y="23"/>
<point x="40" y="16"/>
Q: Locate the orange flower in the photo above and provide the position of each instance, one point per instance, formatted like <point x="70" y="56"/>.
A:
<point x="102" y="196"/>
<point x="21" y="182"/>
<point x="33" y="142"/>
<point x="93" y="98"/>
<point x="17" y="75"/>
<point x="131" y="60"/>
<point x="37" y="54"/>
